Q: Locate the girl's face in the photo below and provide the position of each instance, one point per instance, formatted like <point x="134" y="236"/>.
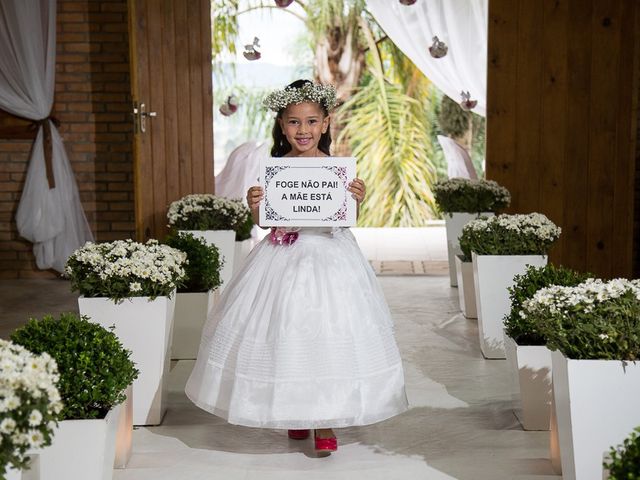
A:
<point x="303" y="125"/>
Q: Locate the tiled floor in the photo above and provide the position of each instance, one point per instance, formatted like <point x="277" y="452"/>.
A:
<point x="460" y="425"/>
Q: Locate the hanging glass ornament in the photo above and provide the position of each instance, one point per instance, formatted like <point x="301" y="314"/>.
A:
<point x="467" y="104"/>
<point x="283" y="3"/>
<point x="408" y="2"/>
<point x="438" y="49"/>
<point x="251" y="51"/>
<point x="229" y="107"/>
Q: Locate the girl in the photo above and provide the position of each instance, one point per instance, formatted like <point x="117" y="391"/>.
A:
<point x="302" y="337"/>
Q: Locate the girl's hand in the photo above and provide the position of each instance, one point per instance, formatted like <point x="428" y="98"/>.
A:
<point x="254" y="197"/>
<point x="358" y="190"/>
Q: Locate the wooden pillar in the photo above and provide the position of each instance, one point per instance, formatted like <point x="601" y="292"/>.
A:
<point x="562" y="110"/>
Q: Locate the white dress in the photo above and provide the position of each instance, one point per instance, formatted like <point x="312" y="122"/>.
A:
<point x="301" y="338"/>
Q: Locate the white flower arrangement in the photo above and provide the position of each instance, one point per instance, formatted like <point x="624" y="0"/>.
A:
<point x="520" y="234"/>
<point x="325" y="95"/>
<point x="596" y="319"/>
<point x="207" y="212"/>
<point x="29" y="403"/>
<point x="470" y="195"/>
<point x="124" y="268"/>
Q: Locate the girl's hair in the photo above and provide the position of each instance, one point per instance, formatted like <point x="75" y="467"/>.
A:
<point x="281" y="145"/>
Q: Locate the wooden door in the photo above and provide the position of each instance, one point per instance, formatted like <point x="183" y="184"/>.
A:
<point x="172" y="103"/>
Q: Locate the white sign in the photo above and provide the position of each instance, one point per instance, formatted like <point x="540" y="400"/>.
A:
<point x="307" y="191"/>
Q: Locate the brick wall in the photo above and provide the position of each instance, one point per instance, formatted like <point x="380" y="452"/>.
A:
<point x="93" y="104"/>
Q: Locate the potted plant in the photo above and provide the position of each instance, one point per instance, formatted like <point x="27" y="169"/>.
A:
<point x="31" y="405"/>
<point x="94" y="370"/>
<point x="195" y="296"/>
<point x="462" y="200"/>
<point x="526" y="348"/>
<point x="500" y="248"/>
<point x="131" y="286"/>
<point x="593" y="330"/>
<point x="624" y="460"/>
<point x="216" y="219"/>
<point x="244" y="243"/>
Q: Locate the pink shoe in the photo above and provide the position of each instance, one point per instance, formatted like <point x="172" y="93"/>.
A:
<point x="325" y="445"/>
<point x="298" y="434"/>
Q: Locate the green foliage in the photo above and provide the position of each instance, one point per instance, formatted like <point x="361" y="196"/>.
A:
<point x="95" y="369"/>
<point x="607" y="329"/>
<point x="625" y="459"/>
<point x="470" y="196"/>
<point x="207" y="212"/>
<point x="453" y="120"/>
<point x="244" y="231"/>
<point x="531" y="234"/>
<point x="224" y="30"/>
<point x="203" y="269"/>
<point x="388" y="132"/>
<point x="522" y="329"/>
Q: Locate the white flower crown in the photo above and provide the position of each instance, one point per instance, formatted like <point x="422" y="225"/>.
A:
<point x="325" y="95"/>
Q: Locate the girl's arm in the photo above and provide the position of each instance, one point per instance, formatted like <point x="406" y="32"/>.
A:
<point x="358" y="191"/>
<point x="254" y="197"/>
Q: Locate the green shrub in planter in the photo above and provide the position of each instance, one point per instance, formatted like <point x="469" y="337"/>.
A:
<point x="595" y="320"/>
<point x="30" y="405"/>
<point x="625" y="459"/>
<point x="203" y="266"/>
<point x="522" y="329"/>
<point x="94" y="367"/>
<point x="207" y="212"/>
<point x="124" y="269"/>
<point x="244" y="231"/>
<point x="531" y="234"/>
<point x="471" y="196"/>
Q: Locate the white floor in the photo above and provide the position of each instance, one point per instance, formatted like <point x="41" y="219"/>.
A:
<point x="460" y="425"/>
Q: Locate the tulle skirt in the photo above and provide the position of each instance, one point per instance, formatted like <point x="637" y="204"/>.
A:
<point x="301" y="338"/>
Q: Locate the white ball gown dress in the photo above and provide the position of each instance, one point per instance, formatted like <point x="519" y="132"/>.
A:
<point x="301" y="338"/>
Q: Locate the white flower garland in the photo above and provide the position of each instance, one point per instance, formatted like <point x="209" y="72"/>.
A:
<point x="26" y="378"/>
<point x="325" y="95"/>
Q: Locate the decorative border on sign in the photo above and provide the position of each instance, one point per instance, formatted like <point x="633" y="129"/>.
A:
<point x="269" y="213"/>
<point x="341" y="173"/>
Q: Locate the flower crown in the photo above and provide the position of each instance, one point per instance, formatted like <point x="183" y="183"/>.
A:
<point x="325" y="95"/>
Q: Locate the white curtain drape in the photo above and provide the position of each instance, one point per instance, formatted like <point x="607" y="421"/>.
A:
<point x="461" y="24"/>
<point x="51" y="218"/>
<point x="241" y="170"/>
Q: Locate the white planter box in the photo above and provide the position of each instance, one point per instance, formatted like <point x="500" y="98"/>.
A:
<point x="243" y="249"/>
<point x="492" y="276"/>
<point x="81" y="450"/>
<point x="466" y="288"/>
<point x="191" y="314"/>
<point x="225" y="241"/>
<point x="144" y="327"/>
<point x="554" y="442"/>
<point x="597" y="408"/>
<point x="124" y="433"/>
<point x="33" y="473"/>
<point x="530" y="367"/>
<point x="453" y="224"/>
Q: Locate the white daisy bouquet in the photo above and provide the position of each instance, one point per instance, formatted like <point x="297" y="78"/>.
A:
<point x="29" y="403"/>
<point x="207" y="212"/>
<point x="471" y="196"/>
<point x="530" y="234"/>
<point x="596" y="319"/>
<point x="124" y="269"/>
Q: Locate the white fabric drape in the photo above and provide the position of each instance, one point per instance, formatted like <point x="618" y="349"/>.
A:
<point x="459" y="162"/>
<point x="51" y="218"/>
<point x="461" y="24"/>
<point x="241" y="170"/>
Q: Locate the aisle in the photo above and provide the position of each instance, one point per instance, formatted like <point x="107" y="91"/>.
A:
<point x="460" y="425"/>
